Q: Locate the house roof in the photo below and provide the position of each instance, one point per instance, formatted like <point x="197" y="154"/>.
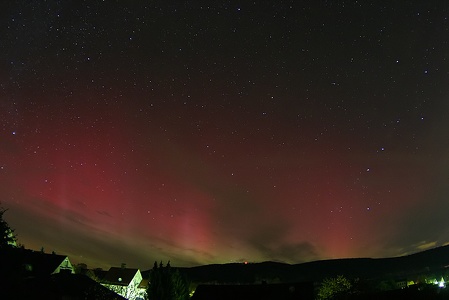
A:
<point x="120" y="276"/>
<point x="29" y="263"/>
<point x="59" y="286"/>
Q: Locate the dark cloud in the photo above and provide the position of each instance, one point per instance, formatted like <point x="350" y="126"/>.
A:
<point x="296" y="253"/>
<point x="273" y="243"/>
<point x="288" y="252"/>
<point x="427" y="221"/>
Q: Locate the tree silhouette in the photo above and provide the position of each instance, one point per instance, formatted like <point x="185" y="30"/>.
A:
<point x="7" y="236"/>
<point x="180" y="287"/>
<point x="167" y="283"/>
<point x="332" y="288"/>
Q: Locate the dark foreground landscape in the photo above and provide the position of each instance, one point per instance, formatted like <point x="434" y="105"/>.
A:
<point x="27" y="274"/>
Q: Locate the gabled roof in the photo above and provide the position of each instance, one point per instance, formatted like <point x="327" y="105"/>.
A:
<point x="29" y="263"/>
<point x="120" y="276"/>
<point x="58" y="286"/>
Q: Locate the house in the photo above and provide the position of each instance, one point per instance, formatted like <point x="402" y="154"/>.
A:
<point x="23" y="263"/>
<point x="60" y="286"/>
<point x="281" y="291"/>
<point x="27" y="274"/>
<point x="125" y="282"/>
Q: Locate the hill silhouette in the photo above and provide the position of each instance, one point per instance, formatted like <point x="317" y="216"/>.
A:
<point x="433" y="260"/>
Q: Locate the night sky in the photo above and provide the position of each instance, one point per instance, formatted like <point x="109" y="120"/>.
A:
<point x="225" y="131"/>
